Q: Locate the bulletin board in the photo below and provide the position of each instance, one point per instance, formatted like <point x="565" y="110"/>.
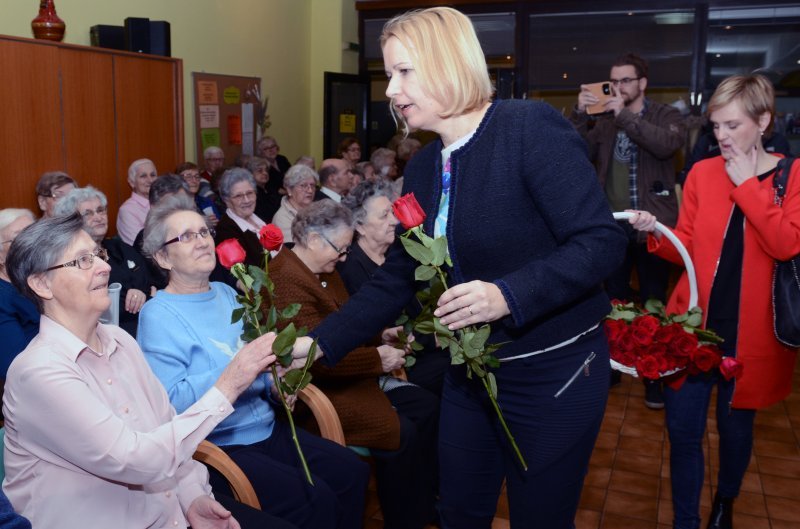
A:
<point x="226" y="113"/>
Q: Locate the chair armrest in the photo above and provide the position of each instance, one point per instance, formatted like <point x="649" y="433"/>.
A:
<point x="210" y="454"/>
<point x="330" y="427"/>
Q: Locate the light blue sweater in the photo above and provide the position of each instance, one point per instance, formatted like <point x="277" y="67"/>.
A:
<point x="188" y="340"/>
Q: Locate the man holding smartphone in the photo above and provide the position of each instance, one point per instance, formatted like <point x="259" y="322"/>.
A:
<point x="633" y="144"/>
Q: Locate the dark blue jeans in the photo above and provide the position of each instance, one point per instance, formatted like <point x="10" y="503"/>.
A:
<point x="687" y="410"/>
<point x="555" y="434"/>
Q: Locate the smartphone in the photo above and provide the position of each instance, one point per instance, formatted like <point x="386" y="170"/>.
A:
<point x="601" y="91"/>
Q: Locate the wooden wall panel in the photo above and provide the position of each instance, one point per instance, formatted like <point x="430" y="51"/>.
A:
<point x="89" y="133"/>
<point x="148" y="110"/>
<point x="30" y="120"/>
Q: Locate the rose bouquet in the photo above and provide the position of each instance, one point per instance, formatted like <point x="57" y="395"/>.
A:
<point x="259" y="319"/>
<point x="652" y="344"/>
<point x="467" y="346"/>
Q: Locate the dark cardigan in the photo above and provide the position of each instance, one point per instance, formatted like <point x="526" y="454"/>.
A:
<point x="526" y="213"/>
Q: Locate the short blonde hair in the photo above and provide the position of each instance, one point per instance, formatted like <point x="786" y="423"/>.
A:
<point x="753" y="92"/>
<point x="447" y="57"/>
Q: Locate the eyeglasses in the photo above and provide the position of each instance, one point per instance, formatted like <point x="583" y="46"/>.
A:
<point x="338" y="250"/>
<point x="88" y="213"/>
<point x="85" y="261"/>
<point x="244" y="196"/>
<point x="307" y="185"/>
<point x="624" y="81"/>
<point x="191" y="176"/>
<point x="189" y="236"/>
<point x="216" y="159"/>
<point x="268" y="147"/>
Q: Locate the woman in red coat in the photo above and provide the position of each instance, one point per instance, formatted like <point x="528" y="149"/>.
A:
<point x="734" y="232"/>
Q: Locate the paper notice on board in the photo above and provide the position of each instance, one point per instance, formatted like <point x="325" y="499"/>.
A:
<point x="210" y="138"/>
<point x="232" y="95"/>
<point x="247" y="128"/>
<point x="207" y="93"/>
<point x="209" y="116"/>
<point x="234" y="129"/>
<point x="347" y="123"/>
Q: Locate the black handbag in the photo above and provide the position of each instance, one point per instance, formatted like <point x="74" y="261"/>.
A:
<point x="786" y="278"/>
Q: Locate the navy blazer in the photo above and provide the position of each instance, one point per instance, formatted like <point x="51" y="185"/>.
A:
<point x="526" y="213"/>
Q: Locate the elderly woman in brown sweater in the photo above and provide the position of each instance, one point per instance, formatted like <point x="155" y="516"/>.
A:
<point x="397" y="421"/>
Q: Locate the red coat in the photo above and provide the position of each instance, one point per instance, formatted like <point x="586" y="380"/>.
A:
<point x="770" y="232"/>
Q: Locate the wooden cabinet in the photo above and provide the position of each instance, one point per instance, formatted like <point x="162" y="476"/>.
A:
<point x="87" y="111"/>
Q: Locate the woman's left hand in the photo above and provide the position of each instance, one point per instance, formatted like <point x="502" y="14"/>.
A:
<point x="207" y="513"/>
<point x="741" y="166"/>
<point x="471" y="303"/>
<point x="134" y="300"/>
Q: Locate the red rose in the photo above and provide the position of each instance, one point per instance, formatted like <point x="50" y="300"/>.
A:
<point x="684" y="344"/>
<point x="230" y="252"/>
<point x="408" y="211"/>
<point x="668" y="333"/>
<point x="706" y="358"/>
<point x="271" y="237"/>
<point x="731" y="368"/>
<point x="625" y="341"/>
<point x="648" y="322"/>
<point x="647" y="367"/>
<point x="614" y="328"/>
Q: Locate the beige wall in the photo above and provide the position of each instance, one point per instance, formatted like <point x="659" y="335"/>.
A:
<point x="288" y="43"/>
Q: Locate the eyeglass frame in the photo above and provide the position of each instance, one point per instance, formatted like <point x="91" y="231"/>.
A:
<point x="241" y="196"/>
<point x="100" y="252"/>
<point x="192" y="235"/>
<point x="625" y="81"/>
<point x="346" y="251"/>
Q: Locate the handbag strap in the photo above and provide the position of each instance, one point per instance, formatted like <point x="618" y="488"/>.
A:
<point x="781" y="179"/>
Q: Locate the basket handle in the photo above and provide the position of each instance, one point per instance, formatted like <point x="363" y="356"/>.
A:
<point x="687" y="261"/>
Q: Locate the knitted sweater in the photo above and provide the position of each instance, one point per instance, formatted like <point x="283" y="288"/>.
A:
<point x="188" y="341"/>
<point x="526" y="213"/>
<point x="367" y="416"/>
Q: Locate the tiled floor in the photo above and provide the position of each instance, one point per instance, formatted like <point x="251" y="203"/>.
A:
<point x="628" y="485"/>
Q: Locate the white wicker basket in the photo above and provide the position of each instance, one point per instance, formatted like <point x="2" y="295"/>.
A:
<point x="687" y="261"/>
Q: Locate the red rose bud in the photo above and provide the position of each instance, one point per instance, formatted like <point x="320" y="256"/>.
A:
<point x="270" y="237"/>
<point x="408" y="211"/>
<point x="731" y="368"/>
<point x="706" y="358"/>
<point x="230" y="252"/>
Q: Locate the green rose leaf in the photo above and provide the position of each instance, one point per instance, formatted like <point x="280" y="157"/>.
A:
<point x="492" y="384"/>
<point x="417" y="251"/>
<point x="439" y="249"/>
<point x="237" y="314"/>
<point x="284" y="342"/>
<point x="290" y="311"/>
<point x="410" y="361"/>
<point x="424" y="272"/>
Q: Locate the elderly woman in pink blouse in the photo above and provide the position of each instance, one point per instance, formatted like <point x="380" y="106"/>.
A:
<point x="91" y="438"/>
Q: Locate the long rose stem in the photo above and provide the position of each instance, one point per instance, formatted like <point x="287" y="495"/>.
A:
<point x="276" y="379"/>
<point x="503" y="422"/>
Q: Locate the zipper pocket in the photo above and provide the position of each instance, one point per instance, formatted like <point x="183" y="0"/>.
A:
<point x="584" y="367"/>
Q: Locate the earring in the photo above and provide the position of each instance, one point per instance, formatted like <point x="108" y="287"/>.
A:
<point x="762" y="132"/>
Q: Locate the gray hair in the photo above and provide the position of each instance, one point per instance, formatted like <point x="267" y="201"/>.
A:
<point x="256" y="162"/>
<point x="382" y="159"/>
<point x="155" y="225"/>
<point x="69" y="204"/>
<point x="167" y="184"/>
<point x="306" y="159"/>
<point x="9" y="215"/>
<point x="297" y="173"/>
<point x="37" y="248"/>
<point x="210" y="151"/>
<point x="135" y="165"/>
<point x="233" y="176"/>
<point x="356" y="200"/>
<point x="324" y="217"/>
<point x="406" y="146"/>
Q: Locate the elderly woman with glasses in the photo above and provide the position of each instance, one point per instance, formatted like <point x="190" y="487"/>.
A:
<point x="19" y="319"/>
<point x="91" y="439"/>
<point x="237" y="187"/>
<point x="200" y="190"/>
<point x="188" y="339"/>
<point x="300" y="184"/>
<point x="395" y="420"/>
<point x="128" y="267"/>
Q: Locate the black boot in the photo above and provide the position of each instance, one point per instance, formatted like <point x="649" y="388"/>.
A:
<point x="721" y="513"/>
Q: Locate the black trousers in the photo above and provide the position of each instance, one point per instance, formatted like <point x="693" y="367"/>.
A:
<point x="335" y="501"/>
<point x="250" y="518"/>
<point x="406" y="479"/>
